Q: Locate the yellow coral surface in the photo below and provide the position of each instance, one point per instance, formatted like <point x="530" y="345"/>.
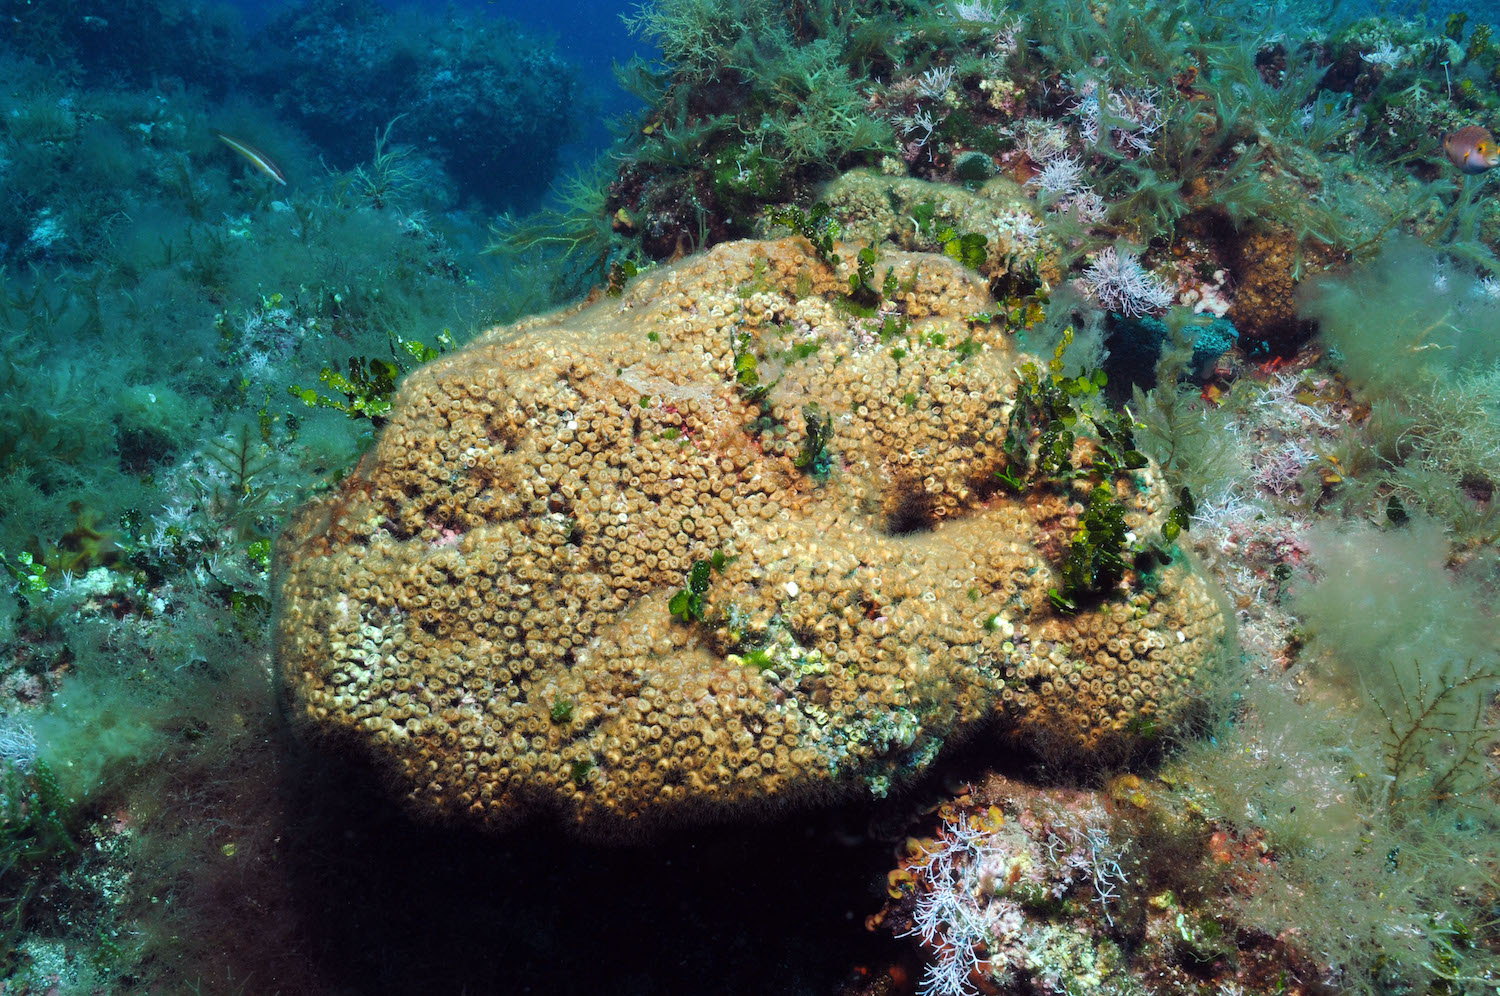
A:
<point x="482" y="608"/>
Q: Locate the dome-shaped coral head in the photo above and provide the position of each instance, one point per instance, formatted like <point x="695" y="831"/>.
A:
<point x="1472" y="149"/>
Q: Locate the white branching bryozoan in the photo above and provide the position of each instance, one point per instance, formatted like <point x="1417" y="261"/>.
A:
<point x="1120" y="284"/>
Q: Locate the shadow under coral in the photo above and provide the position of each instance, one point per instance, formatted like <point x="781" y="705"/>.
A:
<point x="385" y="905"/>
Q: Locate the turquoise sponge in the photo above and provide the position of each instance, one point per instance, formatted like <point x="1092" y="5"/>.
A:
<point x="1135" y="344"/>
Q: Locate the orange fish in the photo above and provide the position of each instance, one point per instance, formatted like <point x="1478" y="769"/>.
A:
<point x="263" y="162"/>
<point x="1472" y="149"/>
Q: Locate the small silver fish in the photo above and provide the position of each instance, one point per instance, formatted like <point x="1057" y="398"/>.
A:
<point x="263" y="162"/>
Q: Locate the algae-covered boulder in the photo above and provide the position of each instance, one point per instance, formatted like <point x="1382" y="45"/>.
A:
<point x="712" y="548"/>
<point x="910" y="213"/>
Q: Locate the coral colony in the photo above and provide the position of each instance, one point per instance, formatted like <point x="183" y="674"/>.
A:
<point x="958" y="498"/>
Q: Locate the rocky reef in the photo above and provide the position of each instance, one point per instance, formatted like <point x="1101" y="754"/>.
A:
<point x="718" y="546"/>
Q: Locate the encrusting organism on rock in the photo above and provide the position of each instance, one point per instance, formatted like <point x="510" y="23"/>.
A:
<point x="482" y="607"/>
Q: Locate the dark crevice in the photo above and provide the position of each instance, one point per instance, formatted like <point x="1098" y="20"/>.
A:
<point x="908" y="510"/>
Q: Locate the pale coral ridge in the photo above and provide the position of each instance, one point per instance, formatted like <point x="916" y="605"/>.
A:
<point x="482" y="607"/>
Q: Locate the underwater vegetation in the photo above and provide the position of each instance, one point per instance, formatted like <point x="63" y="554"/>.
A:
<point x="1197" y="298"/>
<point x="1169" y="127"/>
<point x="159" y="300"/>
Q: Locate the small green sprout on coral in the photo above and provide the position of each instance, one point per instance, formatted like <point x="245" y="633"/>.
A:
<point x="815" y="455"/>
<point x="747" y="374"/>
<point x="1115" y="452"/>
<point x="1179" y="520"/>
<point x="423" y="353"/>
<point x="368" y="386"/>
<point x="620" y="273"/>
<point x="1050" y="411"/>
<point x="862" y="288"/>
<point x="1095" y="561"/>
<point x="1053" y="409"/>
<point x="561" y="712"/>
<point x="1152" y="553"/>
<point x="803" y="350"/>
<point x="747" y="370"/>
<point x="580" y="772"/>
<point x="816" y="225"/>
<point x="970" y="248"/>
<point x="690" y="604"/>
<point x="923" y="216"/>
<point x="1012" y="477"/>
<point x="1041" y="408"/>
<point x="892" y="327"/>
<point x="759" y="658"/>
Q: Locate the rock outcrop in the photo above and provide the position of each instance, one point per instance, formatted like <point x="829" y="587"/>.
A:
<point x="485" y="607"/>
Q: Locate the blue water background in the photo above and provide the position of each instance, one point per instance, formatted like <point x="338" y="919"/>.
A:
<point x="590" y="35"/>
